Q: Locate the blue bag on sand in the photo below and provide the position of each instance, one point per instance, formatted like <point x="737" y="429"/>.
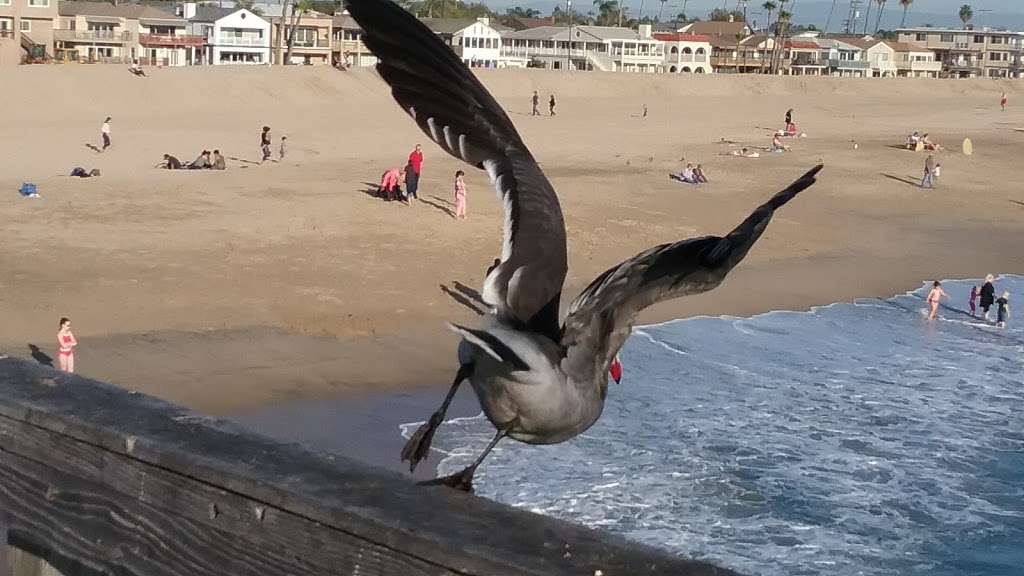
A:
<point x="28" y="189"/>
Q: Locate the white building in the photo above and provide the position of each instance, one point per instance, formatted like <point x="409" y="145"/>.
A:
<point x="232" y="35"/>
<point x="477" y="42"/>
<point x="686" y="53"/>
<point x="605" y="48"/>
<point x="842" y="58"/>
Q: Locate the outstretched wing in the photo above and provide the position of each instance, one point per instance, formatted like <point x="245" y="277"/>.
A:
<point x="601" y="318"/>
<point x="450" y="105"/>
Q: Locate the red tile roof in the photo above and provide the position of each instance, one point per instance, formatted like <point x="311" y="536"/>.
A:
<point x="680" y="37"/>
<point x="801" y="45"/>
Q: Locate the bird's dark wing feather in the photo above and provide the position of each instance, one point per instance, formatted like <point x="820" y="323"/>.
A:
<point x="450" y="105"/>
<point x="601" y="318"/>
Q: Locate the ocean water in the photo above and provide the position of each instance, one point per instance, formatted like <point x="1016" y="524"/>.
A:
<point x="854" y="439"/>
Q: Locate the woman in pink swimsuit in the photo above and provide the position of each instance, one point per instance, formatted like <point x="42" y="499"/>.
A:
<point x="66" y="342"/>
<point x="934" y="296"/>
<point x="460" y="196"/>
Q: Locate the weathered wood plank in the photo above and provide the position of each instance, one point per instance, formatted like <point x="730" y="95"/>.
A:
<point x="168" y="461"/>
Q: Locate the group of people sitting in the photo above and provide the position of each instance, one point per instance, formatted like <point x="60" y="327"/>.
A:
<point x="691" y="175"/>
<point x="391" y="185"/>
<point x="918" y="142"/>
<point x="79" y="172"/>
<point x="205" y="161"/>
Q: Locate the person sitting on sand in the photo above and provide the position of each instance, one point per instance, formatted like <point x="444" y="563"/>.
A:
<point x="1003" y="310"/>
<point x="136" y="69"/>
<point x="698" y="174"/>
<point x="218" y="161"/>
<point x="80" y="172"/>
<point x="928" y="144"/>
<point x="791" y="131"/>
<point x="202" y="162"/>
<point x="745" y="153"/>
<point x="934" y="296"/>
<point x="777" y="145"/>
<point x="912" y="141"/>
<point x="685" y="176"/>
<point x="389" y="184"/>
<point x="170" y="163"/>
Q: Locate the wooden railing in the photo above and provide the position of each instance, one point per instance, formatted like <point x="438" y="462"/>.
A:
<point x="98" y="480"/>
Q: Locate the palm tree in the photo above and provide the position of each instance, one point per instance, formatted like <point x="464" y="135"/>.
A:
<point x="966" y="14"/>
<point x="881" y="9"/>
<point x="662" y="9"/>
<point x="782" y="26"/>
<point x="298" y="9"/>
<point x="906" y="6"/>
<point x="830" y="12"/>
<point x="770" y="7"/>
<point x="867" y="18"/>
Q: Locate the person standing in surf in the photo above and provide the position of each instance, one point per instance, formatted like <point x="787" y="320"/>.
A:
<point x="936" y="294"/>
<point x="987" y="296"/>
<point x="973" y="300"/>
<point x="1003" y="311"/>
<point x="66" y="346"/>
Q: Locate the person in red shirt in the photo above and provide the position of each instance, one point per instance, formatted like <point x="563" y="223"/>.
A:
<point x="412" y="173"/>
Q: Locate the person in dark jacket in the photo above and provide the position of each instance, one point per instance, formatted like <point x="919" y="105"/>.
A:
<point x="987" y="296"/>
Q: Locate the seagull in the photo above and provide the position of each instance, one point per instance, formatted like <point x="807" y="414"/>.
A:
<point x="538" y="380"/>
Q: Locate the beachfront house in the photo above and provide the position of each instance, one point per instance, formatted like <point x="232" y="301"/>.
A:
<point x="685" y="53"/>
<point x="842" y="59"/>
<point x="603" y="48"/>
<point x="230" y="35"/>
<point x="122" y="33"/>
<point x="312" y="43"/>
<point x="347" y="42"/>
<point x="881" y="58"/>
<point x="803" y="56"/>
<point x="477" y="42"/>
<point x="970" y="53"/>
<point x="26" y="30"/>
<point x="743" y="55"/>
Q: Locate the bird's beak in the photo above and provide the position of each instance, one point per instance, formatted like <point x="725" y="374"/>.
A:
<point x="615" y="369"/>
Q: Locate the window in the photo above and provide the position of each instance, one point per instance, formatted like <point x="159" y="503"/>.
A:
<point x="921" y="37"/>
<point x="26" y="25"/>
<point x="5" y="3"/>
<point x="946" y="37"/>
<point x="999" y="56"/>
<point x="6" y="23"/>
<point x="979" y="39"/>
<point x="997" y="40"/>
<point x="39" y="3"/>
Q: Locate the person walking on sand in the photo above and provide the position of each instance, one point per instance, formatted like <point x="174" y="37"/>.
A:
<point x="972" y="301"/>
<point x="284" y="147"/>
<point x="66" y="346"/>
<point x="412" y="173"/>
<point x="936" y="294"/>
<point x="551" y="105"/>
<point x="645" y="111"/>
<point x="1002" y="102"/>
<point x="987" y="296"/>
<point x="460" y="196"/>
<point x="789" y="117"/>
<point x="105" y="133"/>
<point x="536" y="103"/>
<point x="265" y="143"/>
<point x="1003" y="312"/>
<point x="929" y="172"/>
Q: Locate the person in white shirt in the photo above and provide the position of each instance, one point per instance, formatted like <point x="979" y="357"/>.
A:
<point x="105" y="132"/>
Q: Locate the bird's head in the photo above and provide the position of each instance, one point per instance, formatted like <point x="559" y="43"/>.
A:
<point x="615" y="369"/>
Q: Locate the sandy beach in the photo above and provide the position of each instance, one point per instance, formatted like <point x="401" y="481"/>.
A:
<point x="228" y="291"/>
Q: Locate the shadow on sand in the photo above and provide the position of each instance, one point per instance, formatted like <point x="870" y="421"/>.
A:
<point x="40" y="356"/>
<point x="93" y="147"/>
<point x="466" y="296"/>
<point x="443" y="206"/>
<point x="906" y="180"/>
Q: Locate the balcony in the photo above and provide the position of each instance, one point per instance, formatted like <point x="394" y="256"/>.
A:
<point x="349" y="46"/>
<point x="168" y="40"/>
<point x="847" y="64"/>
<point x="318" y="44"/>
<point x="923" y="66"/>
<point x="94" y="36"/>
<point x="239" y="41"/>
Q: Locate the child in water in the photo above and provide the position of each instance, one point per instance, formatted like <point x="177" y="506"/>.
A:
<point x="972" y="300"/>
<point x="934" y="296"/>
<point x="1003" y="310"/>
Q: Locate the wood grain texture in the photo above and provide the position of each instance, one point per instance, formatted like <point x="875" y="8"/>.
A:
<point x="107" y="463"/>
